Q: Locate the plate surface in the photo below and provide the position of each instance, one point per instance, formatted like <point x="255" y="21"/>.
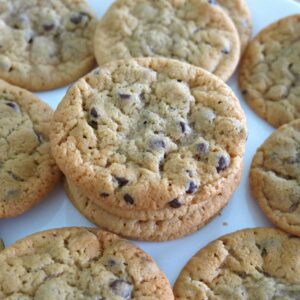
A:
<point x="241" y="212"/>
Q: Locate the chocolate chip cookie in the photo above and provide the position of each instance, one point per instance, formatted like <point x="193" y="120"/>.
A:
<point x="257" y="263"/>
<point x="27" y="169"/>
<point x="79" y="263"/>
<point x="240" y="14"/>
<point x="192" y="31"/>
<point x="275" y="177"/>
<point x="147" y="138"/>
<point x="45" y="44"/>
<point x="152" y="225"/>
<point x="270" y="72"/>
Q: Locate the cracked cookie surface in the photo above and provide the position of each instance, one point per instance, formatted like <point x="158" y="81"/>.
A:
<point x="240" y="14"/>
<point x="79" y="263"/>
<point x="270" y="72"/>
<point x="149" y="134"/>
<point x="192" y="31"/>
<point x="249" y="264"/>
<point x="275" y="177"/>
<point x="45" y="44"/>
<point x="152" y="226"/>
<point x="27" y="169"/>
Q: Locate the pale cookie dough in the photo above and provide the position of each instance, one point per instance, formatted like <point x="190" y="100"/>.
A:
<point x="275" y="177"/>
<point x="239" y="12"/>
<point x="79" y="263"/>
<point x="251" y="264"/>
<point x="192" y="31"/>
<point x="45" y="44"/>
<point x="270" y="72"/>
<point x="28" y="171"/>
<point x="155" y="227"/>
<point x="150" y="134"/>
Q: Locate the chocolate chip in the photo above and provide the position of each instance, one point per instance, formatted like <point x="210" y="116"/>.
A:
<point x="124" y="96"/>
<point x="192" y="188"/>
<point x="49" y="27"/>
<point x="244" y="92"/>
<point x="264" y="252"/>
<point x="183" y="126"/>
<point x="223" y="163"/>
<point x="202" y="150"/>
<point x="15" y="177"/>
<point x="121" y="288"/>
<point x="111" y="263"/>
<point x="121" y="181"/>
<point x="104" y="195"/>
<point x="94" y="113"/>
<point x="157" y="144"/>
<point x="93" y="124"/>
<point x="12" y="105"/>
<point x="38" y="136"/>
<point x="128" y="199"/>
<point x="225" y="51"/>
<point x="76" y="18"/>
<point x="142" y="96"/>
<point x="175" y="203"/>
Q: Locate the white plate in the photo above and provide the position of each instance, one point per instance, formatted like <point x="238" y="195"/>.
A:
<point x="241" y="212"/>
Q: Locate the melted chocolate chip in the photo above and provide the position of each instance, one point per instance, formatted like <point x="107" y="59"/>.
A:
<point x="175" y="203"/>
<point x="225" y="51"/>
<point x="76" y="18"/>
<point x="192" y="188"/>
<point x="142" y="96"/>
<point x="121" y="288"/>
<point x="264" y="252"/>
<point x="94" y="113"/>
<point x="223" y="163"/>
<point x="124" y="96"/>
<point x="122" y="181"/>
<point x="104" y="195"/>
<point x="111" y="263"/>
<point x="49" y="27"/>
<point x="15" y="177"/>
<point x="244" y="92"/>
<point x="128" y="199"/>
<point x="202" y="150"/>
<point x="38" y="136"/>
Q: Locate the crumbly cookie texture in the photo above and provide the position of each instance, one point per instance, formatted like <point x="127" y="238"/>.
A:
<point x="275" y="177"/>
<point x="240" y="14"/>
<point x="270" y="72"/>
<point x="1" y="245"/>
<point x="27" y="169"/>
<point x="160" y="226"/>
<point x="149" y="134"/>
<point x="45" y="44"/>
<point x="192" y="31"/>
<point x="79" y="263"/>
<point x="249" y="264"/>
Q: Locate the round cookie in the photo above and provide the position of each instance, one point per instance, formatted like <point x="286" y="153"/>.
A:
<point x="154" y="228"/>
<point x="270" y="72"/>
<point x="27" y="169"/>
<point x="275" y="177"/>
<point x="249" y="264"/>
<point x="192" y="31"/>
<point x="239" y="12"/>
<point x="45" y="44"/>
<point x="79" y="263"/>
<point x="150" y="134"/>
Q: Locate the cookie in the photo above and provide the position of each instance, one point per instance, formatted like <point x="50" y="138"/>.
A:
<point x="79" y="263"/>
<point x="150" y="136"/>
<point x="270" y="72"/>
<point x="275" y="177"/>
<point x="45" y="44"/>
<point x="240" y="14"/>
<point x="155" y="227"/>
<point x="27" y="169"/>
<point x="259" y="263"/>
<point x="192" y="31"/>
<point x="1" y="245"/>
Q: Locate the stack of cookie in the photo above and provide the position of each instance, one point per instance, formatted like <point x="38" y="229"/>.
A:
<point x="152" y="148"/>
